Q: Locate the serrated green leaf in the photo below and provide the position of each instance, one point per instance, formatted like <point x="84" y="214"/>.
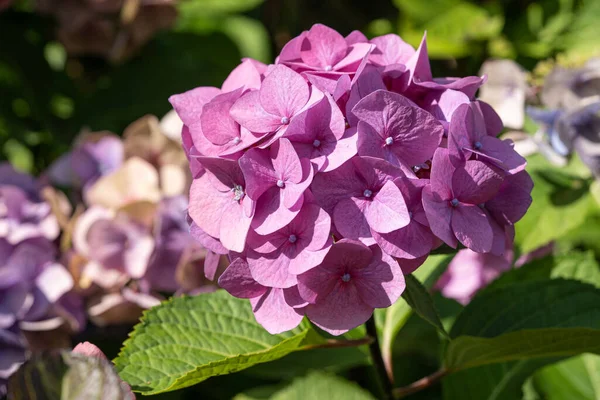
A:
<point x="66" y="376"/>
<point x="576" y="378"/>
<point x="189" y="339"/>
<point x="419" y="299"/>
<point x="550" y="318"/>
<point x="321" y="386"/>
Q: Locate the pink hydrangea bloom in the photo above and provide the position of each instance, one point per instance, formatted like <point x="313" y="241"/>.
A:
<point x="453" y="198"/>
<point x="352" y="280"/>
<point x="344" y="144"/>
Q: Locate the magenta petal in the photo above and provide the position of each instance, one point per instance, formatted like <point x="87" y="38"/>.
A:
<point x="286" y="162"/>
<point x="356" y="37"/>
<point x="390" y="49"/>
<point x="472" y="228"/>
<point x="206" y="240"/>
<point x="387" y="212"/>
<point x="218" y="127"/>
<point x="323" y="47"/>
<point x="271" y="215"/>
<point x="313" y="222"/>
<point x="273" y="313"/>
<point x="293" y="298"/>
<point x="283" y="92"/>
<point x="412" y="241"/>
<point x="356" y="59"/>
<point x="349" y="219"/>
<point x="476" y="183"/>
<point x="340" y="311"/>
<point x="258" y="172"/>
<point x="409" y="266"/>
<point x="493" y="122"/>
<point x="307" y="260"/>
<point x="211" y="264"/>
<point x="513" y="199"/>
<point x="380" y="283"/>
<point x="206" y="206"/>
<point x="238" y="281"/>
<point x="316" y="284"/>
<point x="442" y="171"/>
<point x="292" y="192"/>
<point x="418" y="64"/>
<point x="189" y="105"/>
<point x="503" y="150"/>
<point x="245" y="76"/>
<point x="271" y="270"/>
<point x="439" y="216"/>
<point x="248" y="112"/>
<point x="234" y="227"/>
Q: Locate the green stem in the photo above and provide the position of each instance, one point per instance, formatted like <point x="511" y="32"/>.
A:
<point x="377" y="359"/>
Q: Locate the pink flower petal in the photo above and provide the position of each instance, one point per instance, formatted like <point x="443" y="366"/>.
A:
<point x="238" y="281"/>
<point x="380" y="283"/>
<point x="283" y="93"/>
<point x="391" y="49"/>
<point x="273" y="313"/>
<point x="387" y="212"/>
<point x="271" y="270"/>
<point x="476" y="183"/>
<point x="439" y="216"/>
<point x="249" y="113"/>
<point x="323" y="47"/>
<point x="472" y="228"/>
<point x="349" y="219"/>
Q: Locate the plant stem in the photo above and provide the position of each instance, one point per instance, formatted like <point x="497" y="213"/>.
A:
<point x="421" y="384"/>
<point x="377" y="359"/>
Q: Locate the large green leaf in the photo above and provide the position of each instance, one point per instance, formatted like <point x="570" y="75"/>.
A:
<point x="469" y="351"/>
<point x="189" y="339"/>
<point x="320" y="386"/>
<point x="575" y="378"/>
<point x="551" y="318"/>
<point x="393" y="318"/>
<point x="419" y="299"/>
<point x="66" y="376"/>
<point x="552" y="303"/>
<point x="504" y="380"/>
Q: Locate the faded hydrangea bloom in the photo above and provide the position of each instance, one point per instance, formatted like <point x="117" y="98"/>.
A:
<point x="112" y="29"/>
<point x="327" y="176"/>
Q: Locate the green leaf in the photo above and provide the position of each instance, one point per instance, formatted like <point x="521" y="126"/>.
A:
<point x="550" y="318"/>
<point x="394" y="317"/>
<point x="561" y="202"/>
<point x="66" y="376"/>
<point x="202" y="8"/>
<point x="250" y="36"/>
<point x="505" y="380"/>
<point x="576" y="378"/>
<point x="418" y="298"/>
<point x="189" y="339"/>
<point x="469" y="351"/>
<point x="321" y="386"/>
<point x="491" y="382"/>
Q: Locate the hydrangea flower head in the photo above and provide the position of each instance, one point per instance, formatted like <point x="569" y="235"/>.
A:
<point x="328" y="175"/>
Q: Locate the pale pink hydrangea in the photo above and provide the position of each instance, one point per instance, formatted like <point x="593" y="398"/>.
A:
<point x="327" y="176"/>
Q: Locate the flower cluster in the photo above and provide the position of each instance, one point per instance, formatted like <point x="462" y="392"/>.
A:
<point x="36" y="290"/>
<point x="113" y="29"/>
<point x="327" y="176"/>
<point x="114" y="249"/>
<point x="132" y="241"/>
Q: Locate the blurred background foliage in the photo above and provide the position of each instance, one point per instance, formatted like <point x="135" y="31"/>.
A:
<point x="47" y="96"/>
